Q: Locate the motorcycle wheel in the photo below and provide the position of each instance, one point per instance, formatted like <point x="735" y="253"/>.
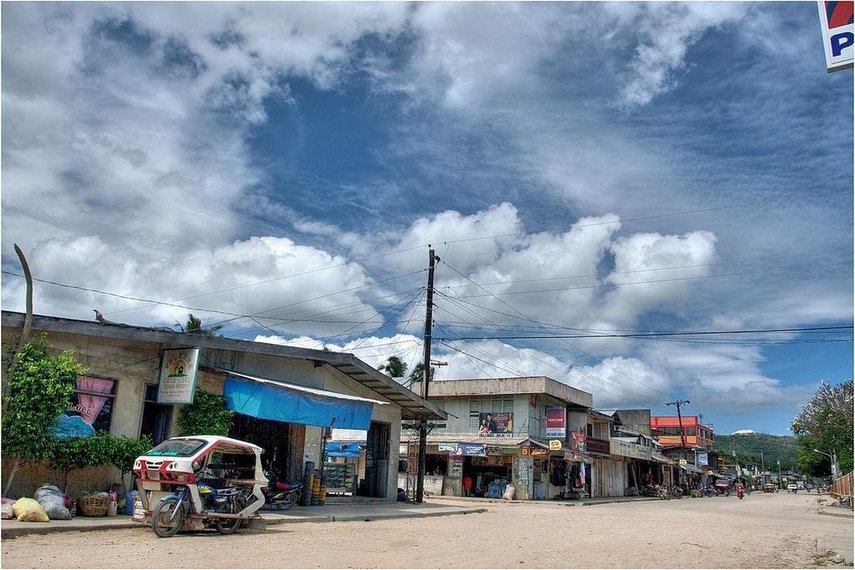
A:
<point x="162" y="524"/>
<point x="287" y="501"/>
<point x="230" y="526"/>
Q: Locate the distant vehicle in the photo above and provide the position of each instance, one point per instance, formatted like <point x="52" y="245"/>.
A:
<point x="800" y="485"/>
<point x="792" y="488"/>
<point x="769" y="488"/>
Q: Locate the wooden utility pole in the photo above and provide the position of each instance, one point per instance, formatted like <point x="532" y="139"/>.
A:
<point x="679" y="403"/>
<point x="420" y="481"/>
<point x="28" y="322"/>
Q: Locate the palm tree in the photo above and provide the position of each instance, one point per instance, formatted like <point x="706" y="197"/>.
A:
<point x="194" y="326"/>
<point x="394" y="367"/>
<point x="418" y="373"/>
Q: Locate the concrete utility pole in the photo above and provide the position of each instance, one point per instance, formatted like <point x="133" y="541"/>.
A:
<point x="420" y="481"/>
<point x="679" y="403"/>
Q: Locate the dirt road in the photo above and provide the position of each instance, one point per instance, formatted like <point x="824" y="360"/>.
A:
<point x="761" y="531"/>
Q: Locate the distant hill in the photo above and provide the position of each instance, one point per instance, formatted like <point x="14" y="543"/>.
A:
<point x="749" y="445"/>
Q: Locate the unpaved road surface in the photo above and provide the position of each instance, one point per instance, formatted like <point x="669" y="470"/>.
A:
<point x="761" y="531"/>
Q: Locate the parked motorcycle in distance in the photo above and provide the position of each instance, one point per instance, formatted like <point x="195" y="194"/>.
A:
<point x="281" y="495"/>
<point x="662" y="492"/>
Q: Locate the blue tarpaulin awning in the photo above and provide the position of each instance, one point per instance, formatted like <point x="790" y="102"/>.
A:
<point x="282" y="402"/>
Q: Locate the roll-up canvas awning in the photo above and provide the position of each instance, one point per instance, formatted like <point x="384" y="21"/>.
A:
<point x="282" y="402"/>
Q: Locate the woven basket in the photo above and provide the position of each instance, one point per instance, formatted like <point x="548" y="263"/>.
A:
<point x="93" y="506"/>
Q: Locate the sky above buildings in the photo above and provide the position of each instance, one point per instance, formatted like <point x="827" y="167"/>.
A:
<point x="584" y="171"/>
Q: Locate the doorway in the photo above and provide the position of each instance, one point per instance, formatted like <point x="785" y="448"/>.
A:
<point x="156" y="418"/>
<point x="377" y="460"/>
<point x="274" y="437"/>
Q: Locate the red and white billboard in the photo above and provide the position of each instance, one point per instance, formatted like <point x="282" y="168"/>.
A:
<point x="556" y="422"/>
<point x="838" y="39"/>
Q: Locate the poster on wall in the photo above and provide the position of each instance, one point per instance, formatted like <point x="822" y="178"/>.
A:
<point x="496" y="424"/>
<point x="89" y="409"/>
<point x="556" y="422"/>
<point x="178" y="376"/>
<point x="577" y="441"/>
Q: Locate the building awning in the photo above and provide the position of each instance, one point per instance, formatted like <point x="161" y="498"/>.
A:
<point x="690" y="468"/>
<point x="283" y="402"/>
<point x="656" y="456"/>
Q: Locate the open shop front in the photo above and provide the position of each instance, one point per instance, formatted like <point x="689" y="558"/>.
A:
<point x="569" y="475"/>
<point x="293" y="422"/>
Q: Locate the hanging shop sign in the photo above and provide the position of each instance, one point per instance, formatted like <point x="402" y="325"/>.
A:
<point x="838" y="39"/>
<point x="533" y="451"/>
<point x="556" y="422"/>
<point x="555" y="445"/>
<point x="577" y="441"/>
<point x="178" y="376"/>
<point x="496" y="424"/>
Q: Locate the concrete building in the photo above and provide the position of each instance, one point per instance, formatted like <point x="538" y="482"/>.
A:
<point x="534" y="432"/>
<point x="285" y="396"/>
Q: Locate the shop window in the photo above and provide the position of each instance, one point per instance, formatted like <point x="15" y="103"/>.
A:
<point x="690" y="431"/>
<point x="156" y="418"/>
<point x="92" y="401"/>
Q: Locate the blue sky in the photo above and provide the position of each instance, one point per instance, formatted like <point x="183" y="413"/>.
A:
<point x="581" y="169"/>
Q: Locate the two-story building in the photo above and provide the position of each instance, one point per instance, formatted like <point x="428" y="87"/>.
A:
<point x="534" y="432"/>
<point x="691" y="443"/>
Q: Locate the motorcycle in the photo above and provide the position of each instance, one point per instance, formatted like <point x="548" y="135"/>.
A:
<point x="740" y="493"/>
<point x="662" y="492"/>
<point x="174" y="497"/>
<point x="281" y="495"/>
<point x="221" y="510"/>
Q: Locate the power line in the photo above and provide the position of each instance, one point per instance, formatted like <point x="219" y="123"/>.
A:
<point x="659" y="334"/>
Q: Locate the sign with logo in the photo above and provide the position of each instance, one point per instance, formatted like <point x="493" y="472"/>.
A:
<point x="683" y="462"/>
<point x="496" y="424"/>
<point x="554" y="444"/>
<point x="178" y="376"/>
<point x="835" y="19"/>
<point x="533" y="451"/>
<point x="556" y="422"/>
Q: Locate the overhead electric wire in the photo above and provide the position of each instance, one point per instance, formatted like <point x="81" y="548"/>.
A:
<point x="590" y="356"/>
<point x="661" y="334"/>
<point x="619" y="390"/>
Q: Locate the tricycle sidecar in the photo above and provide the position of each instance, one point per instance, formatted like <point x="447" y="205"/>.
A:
<point x="195" y="482"/>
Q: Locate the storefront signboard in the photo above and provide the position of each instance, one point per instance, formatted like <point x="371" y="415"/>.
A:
<point x="470" y="449"/>
<point x="555" y="444"/>
<point x="556" y="422"/>
<point x="629" y="449"/>
<point x="594" y="445"/>
<point x="178" y="376"/>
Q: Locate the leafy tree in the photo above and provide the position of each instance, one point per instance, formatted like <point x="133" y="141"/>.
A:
<point x="194" y="326"/>
<point x="124" y="450"/>
<point x="825" y="422"/>
<point x="207" y="415"/>
<point x="394" y="367"/>
<point x="78" y="453"/>
<point x="40" y="386"/>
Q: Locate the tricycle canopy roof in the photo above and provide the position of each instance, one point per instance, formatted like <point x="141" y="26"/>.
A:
<point x="224" y="444"/>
